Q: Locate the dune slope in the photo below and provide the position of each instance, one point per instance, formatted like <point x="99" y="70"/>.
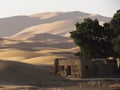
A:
<point x="21" y="73"/>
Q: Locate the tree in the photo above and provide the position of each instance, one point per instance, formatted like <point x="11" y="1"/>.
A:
<point x="97" y="41"/>
<point x="115" y="26"/>
<point x="90" y="37"/>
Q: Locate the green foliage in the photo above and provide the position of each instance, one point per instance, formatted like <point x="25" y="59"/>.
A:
<point x="97" y="41"/>
<point x="115" y="26"/>
<point x="115" y="23"/>
<point x="91" y="38"/>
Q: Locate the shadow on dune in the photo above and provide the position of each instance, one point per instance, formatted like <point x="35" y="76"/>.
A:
<point x="49" y="37"/>
<point x="17" y="73"/>
<point x="42" y="40"/>
<point x="13" y="25"/>
<point x="32" y="46"/>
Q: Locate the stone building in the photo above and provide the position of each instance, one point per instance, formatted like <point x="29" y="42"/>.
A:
<point x="86" y="68"/>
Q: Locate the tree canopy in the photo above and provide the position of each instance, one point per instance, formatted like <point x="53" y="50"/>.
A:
<point x="96" y="41"/>
<point x="115" y="26"/>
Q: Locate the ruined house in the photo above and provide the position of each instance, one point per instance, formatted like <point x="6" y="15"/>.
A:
<point x="85" y="68"/>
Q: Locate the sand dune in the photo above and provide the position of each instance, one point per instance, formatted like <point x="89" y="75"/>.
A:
<point x="22" y="73"/>
<point x="48" y="43"/>
<point x="16" y="55"/>
<point x="43" y="60"/>
<point x="62" y="45"/>
<point x="14" y="72"/>
<point x="58" y="23"/>
<point x="58" y="27"/>
<point x="46" y="15"/>
<point x="15" y="24"/>
<point x="12" y="25"/>
<point x="35" y="46"/>
<point x="60" y="51"/>
<point x="56" y="16"/>
<point x="49" y="38"/>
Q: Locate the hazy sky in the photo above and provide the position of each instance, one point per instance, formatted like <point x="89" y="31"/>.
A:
<point x="27" y="7"/>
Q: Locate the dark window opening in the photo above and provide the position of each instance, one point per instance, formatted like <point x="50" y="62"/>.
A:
<point x="86" y="67"/>
<point x="69" y="70"/>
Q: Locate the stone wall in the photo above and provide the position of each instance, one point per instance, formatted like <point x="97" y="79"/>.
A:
<point x="86" y="68"/>
<point x="105" y="68"/>
<point x="69" y="68"/>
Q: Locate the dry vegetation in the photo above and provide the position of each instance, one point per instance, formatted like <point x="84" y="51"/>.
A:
<point x="81" y="85"/>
